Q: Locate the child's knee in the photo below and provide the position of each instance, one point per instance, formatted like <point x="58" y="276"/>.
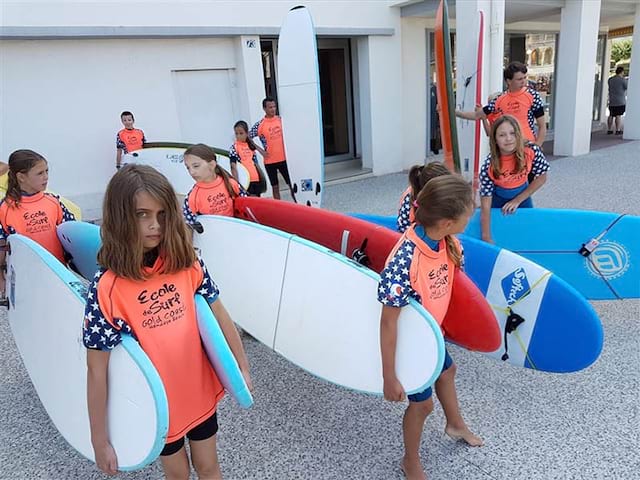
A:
<point x="449" y="373"/>
<point x="422" y="409"/>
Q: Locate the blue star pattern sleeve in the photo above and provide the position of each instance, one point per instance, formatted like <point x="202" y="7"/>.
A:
<point x="233" y="154"/>
<point x="208" y="289"/>
<point x="394" y="288"/>
<point x="537" y="107"/>
<point x="540" y="165"/>
<point x="491" y="106"/>
<point x="253" y="133"/>
<point x="120" y="144"/>
<point x="189" y="216"/>
<point x="67" y="216"/>
<point x="486" y="184"/>
<point x="403" y="221"/>
<point x="97" y="332"/>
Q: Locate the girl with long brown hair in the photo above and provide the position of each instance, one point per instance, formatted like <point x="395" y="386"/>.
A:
<point x="27" y="209"/>
<point x="504" y="176"/>
<point x="243" y="151"/>
<point x="423" y="265"/>
<point x="214" y="191"/>
<point x="146" y="287"/>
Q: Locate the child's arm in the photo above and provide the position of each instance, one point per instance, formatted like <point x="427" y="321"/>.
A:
<point x="512" y="205"/>
<point x="393" y="390"/>
<point x="118" y="158"/>
<point x="233" y="339"/>
<point x="260" y="149"/>
<point x="485" y="219"/>
<point x="97" y="372"/>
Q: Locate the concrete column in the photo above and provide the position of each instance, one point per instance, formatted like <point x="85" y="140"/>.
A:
<point x="632" y="117"/>
<point x="575" y="81"/>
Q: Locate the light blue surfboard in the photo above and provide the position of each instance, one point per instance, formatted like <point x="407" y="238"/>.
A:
<point x="553" y="238"/>
<point x="547" y="325"/>
<point x="81" y="241"/>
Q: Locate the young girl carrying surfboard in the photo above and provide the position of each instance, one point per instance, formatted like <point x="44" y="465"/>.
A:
<point x="27" y="209"/>
<point x="146" y="288"/>
<point x="243" y="151"/>
<point x="504" y="181"/>
<point x="214" y="191"/>
<point x="419" y="175"/>
<point x="422" y="265"/>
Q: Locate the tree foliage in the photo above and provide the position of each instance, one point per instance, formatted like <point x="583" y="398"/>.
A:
<point x="620" y="51"/>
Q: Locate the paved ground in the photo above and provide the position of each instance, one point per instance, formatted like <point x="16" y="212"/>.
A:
<point x="536" y="425"/>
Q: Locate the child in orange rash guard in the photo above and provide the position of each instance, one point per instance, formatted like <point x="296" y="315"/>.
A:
<point x="146" y="254"/>
<point x="422" y="266"/>
<point x="419" y="175"/>
<point x="129" y="139"/>
<point x="27" y="209"/>
<point x="214" y="191"/>
<point x="504" y="175"/>
<point x="243" y="151"/>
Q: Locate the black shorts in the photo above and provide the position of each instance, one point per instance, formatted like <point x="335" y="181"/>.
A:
<point x="254" y="189"/>
<point x="272" y="172"/>
<point x="617" y="111"/>
<point x="206" y="429"/>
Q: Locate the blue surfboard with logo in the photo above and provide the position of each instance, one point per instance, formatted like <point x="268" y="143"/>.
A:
<point x="598" y="253"/>
<point x="547" y="325"/>
<point x="81" y="241"/>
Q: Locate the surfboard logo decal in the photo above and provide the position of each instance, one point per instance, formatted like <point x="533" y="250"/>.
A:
<point x="306" y="185"/>
<point x="609" y="260"/>
<point x="175" y="157"/>
<point x="515" y="286"/>
<point x="12" y="287"/>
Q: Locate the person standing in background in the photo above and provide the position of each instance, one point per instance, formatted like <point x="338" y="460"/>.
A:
<point x="617" y="101"/>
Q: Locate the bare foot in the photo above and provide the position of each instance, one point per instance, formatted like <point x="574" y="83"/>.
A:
<point x="464" y="434"/>
<point x="412" y="469"/>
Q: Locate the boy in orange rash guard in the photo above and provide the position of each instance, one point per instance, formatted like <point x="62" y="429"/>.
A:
<point x="27" y="209"/>
<point x="422" y="265"/>
<point x="146" y="287"/>
<point x="419" y="175"/>
<point x="129" y="139"/>
<point x="243" y="151"/>
<point x="519" y="101"/>
<point x="269" y="130"/>
<point x="214" y="191"/>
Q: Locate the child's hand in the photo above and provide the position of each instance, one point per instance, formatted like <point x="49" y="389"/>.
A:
<point x="247" y="378"/>
<point x="106" y="459"/>
<point x="488" y="239"/>
<point x="510" y="207"/>
<point x="393" y="390"/>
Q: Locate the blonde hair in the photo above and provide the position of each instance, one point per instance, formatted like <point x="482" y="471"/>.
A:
<point x="521" y="163"/>
<point x="444" y="197"/>
<point x="122" y="248"/>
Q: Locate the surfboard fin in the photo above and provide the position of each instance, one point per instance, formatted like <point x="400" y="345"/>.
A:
<point x="360" y="256"/>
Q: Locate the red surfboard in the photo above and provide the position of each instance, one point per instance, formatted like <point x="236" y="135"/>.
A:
<point x="469" y="322"/>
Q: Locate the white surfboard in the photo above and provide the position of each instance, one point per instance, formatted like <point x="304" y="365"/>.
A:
<point x="299" y="105"/>
<point x="316" y="308"/>
<point x="170" y="162"/>
<point x="46" y="314"/>
<point x="469" y="84"/>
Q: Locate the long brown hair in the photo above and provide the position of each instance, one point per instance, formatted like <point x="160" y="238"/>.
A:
<point x="206" y="153"/>
<point x="20" y="161"/>
<point x="419" y="175"/>
<point x="521" y="162"/>
<point x="122" y="249"/>
<point x="444" y="197"/>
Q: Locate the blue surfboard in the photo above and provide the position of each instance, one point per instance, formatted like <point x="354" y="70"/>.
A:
<point x="598" y="253"/>
<point x="81" y="241"/>
<point x="547" y="325"/>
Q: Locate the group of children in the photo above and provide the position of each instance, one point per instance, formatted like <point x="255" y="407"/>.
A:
<point x="148" y="264"/>
<point x="242" y="151"/>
